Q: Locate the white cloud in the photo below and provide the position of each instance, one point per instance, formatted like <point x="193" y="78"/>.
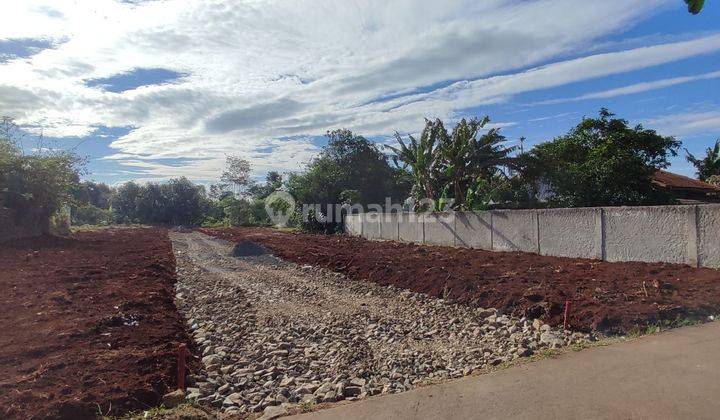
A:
<point x="637" y="88"/>
<point x="687" y="123"/>
<point x="261" y="71"/>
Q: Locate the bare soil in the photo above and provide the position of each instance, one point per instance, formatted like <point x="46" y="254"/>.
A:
<point x="608" y="297"/>
<point x="88" y="324"/>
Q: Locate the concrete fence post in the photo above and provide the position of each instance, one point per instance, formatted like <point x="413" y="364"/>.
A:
<point x="492" y="232"/>
<point x="692" y="236"/>
<point x="600" y="233"/>
<point x="537" y="230"/>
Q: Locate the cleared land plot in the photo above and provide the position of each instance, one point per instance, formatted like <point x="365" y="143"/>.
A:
<point x="609" y="297"/>
<point x="88" y="324"/>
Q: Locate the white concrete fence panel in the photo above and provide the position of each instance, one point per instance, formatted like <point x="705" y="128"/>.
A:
<point x="675" y="234"/>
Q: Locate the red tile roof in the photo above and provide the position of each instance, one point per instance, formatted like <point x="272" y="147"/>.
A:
<point x="671" y="180"/>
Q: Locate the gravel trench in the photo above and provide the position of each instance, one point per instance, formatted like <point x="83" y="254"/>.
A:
<point x="273" y="333"/>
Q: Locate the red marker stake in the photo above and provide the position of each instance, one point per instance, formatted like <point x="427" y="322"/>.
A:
<point x="182" y="354"/>
<point x="568" y="303"/>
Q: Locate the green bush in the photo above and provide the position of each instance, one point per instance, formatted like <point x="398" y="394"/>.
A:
<point x="90" y="215"/>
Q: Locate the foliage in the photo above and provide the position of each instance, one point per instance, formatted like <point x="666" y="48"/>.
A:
<point x="176" y="202"/>
<point x="92" y="193"/>
<point x="88" y="214"/>
<point x="38" y="185"/>
<point x="709" y="165"/>
<point x="349" y="167"/>
<point x="421" y="158"/>
<point x="237" y="173"/>
<point x="602" y="162"/>
<point x="460" y="167"/>
<point x="695" y="6"/>
<point x="273" y="182"/>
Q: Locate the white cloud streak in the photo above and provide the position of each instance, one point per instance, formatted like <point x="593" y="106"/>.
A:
<point x="636" y="88"/>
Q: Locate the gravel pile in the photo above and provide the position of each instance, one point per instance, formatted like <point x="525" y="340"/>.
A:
<point x="273" y="333"/>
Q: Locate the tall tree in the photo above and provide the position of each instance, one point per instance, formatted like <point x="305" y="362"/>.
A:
<point x="35" y="186"/>
<point x="422" y="158"/>
<point x="349" y="167"/>
<point x="453" y="165"/>
<point x="709" y="165"/>
<point x="602" y="161"/>
<point x="237" y="173"/>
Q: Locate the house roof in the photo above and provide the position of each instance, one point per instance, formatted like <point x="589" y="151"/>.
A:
<point x="674" y="181"/>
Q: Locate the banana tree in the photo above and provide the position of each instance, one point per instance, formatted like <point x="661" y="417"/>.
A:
<point x="421" y="157"/>
<point x="467" y="156"/>
<point x="709" y="165"/>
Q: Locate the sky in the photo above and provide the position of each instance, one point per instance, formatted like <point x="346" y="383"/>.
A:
<point x="151" y="90"/>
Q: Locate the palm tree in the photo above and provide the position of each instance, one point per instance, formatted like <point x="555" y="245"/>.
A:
<point x="445" y="164"/>
<point x="708" y="166"/>
<point x="467" y="158"/>
<point x="421" y="157"/>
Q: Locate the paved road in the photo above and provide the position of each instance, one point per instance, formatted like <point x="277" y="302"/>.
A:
<point x="670" y="375"/>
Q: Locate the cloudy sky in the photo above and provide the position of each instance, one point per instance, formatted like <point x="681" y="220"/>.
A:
<point x="159" y="89"/>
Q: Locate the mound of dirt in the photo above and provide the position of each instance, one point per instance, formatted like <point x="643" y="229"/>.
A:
<point x="89" y="325"/>
<point x="249" y="249"/>
<point x="609" y="297"/>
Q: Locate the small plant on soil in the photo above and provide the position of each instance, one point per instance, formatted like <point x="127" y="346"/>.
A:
<point x="307" y="406"/>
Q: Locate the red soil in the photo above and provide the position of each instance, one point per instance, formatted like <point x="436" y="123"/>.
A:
<point x="609" y="297"/>
<point x="88" y="324"/>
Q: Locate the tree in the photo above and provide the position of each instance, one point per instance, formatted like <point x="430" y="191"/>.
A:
<point x="461" y="166"/>
<point x="38" y="185"/>
<point x="92" y="193"/>
<point x="695" y="6"/>
<point x="709" y="165"/>
<point x="175" y="202"/>
<point x="348" y="162"/>
<point x="273" y="182"/>
<point x="422" y="158"/>
<point x="237" y="173"/>
<point x="470" y="163"/>
<point x="124" y="202"/>
<point x="185" y="202"/>
<point x="602" y="162"/>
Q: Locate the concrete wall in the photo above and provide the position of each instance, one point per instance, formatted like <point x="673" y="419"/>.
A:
<point x="411" y="228"/>
<point x="676" y="234"/>
<point x="474" y="230"/>
<point x="571" y="232"/>
<point x="646" y="233"/>
<point x="353" y="225"/>
<point x="389" y="226"/>
<point x="439" y="229"/>
<point x="514" y="230"/>
<point x="708" y="222"/>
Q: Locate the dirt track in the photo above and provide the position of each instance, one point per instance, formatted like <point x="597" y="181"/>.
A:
<point x="88" y="324"/>
<point x="611" y="297"/>
<point x="273" y="333"/>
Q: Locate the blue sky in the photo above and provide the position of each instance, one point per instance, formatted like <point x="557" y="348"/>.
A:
<point x="158" y="89"/>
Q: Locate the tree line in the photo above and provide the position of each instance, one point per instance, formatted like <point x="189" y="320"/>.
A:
<point x="602" y="161"/>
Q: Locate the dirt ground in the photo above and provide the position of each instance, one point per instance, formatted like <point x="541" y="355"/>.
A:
<point x="608" y="297"/>
<point x="88" y="324"/>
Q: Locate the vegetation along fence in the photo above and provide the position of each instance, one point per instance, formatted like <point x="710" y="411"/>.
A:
<point x="674" y="234"/>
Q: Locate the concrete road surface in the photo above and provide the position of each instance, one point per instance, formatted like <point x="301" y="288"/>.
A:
<point x="670" y="375"/>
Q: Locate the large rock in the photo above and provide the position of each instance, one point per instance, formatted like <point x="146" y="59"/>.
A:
<point x="274" y="412"/>
<point x="173" y="399"/>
